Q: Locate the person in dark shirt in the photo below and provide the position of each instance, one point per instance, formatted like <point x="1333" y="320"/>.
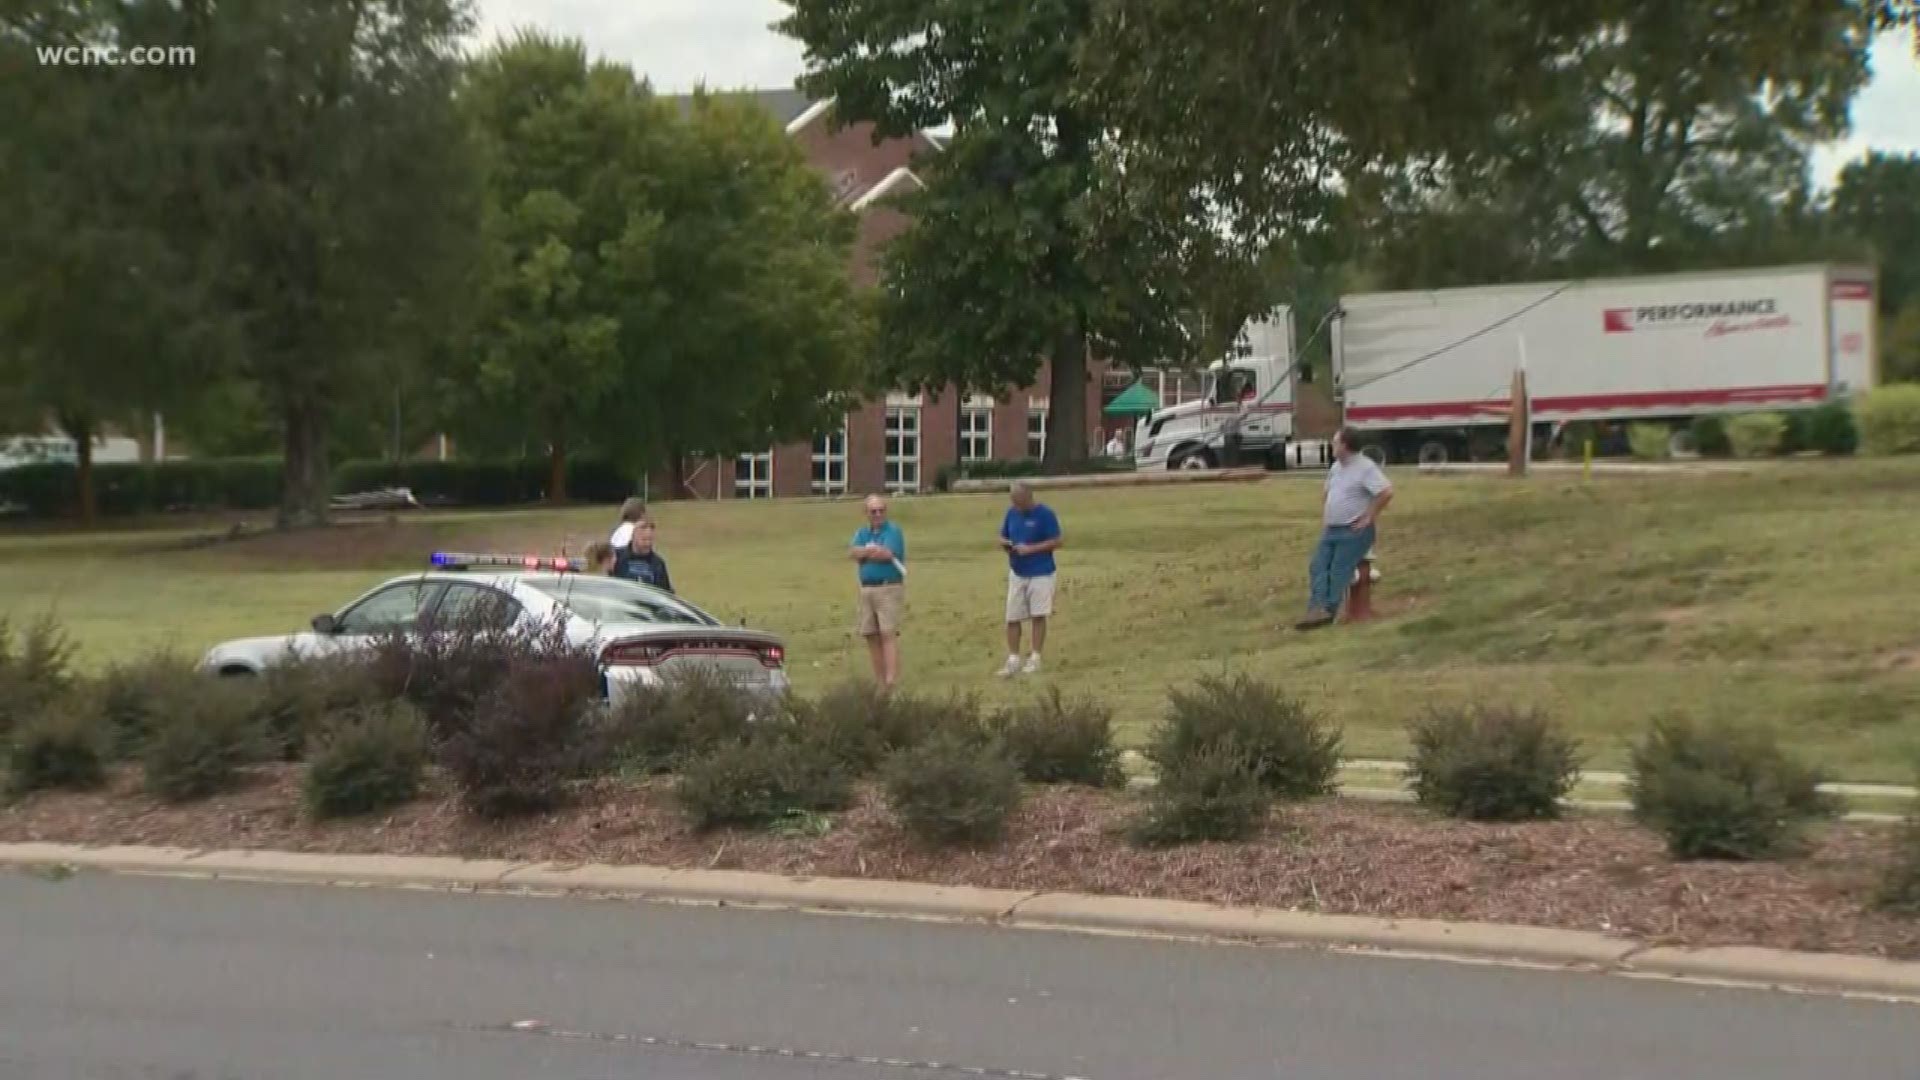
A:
<point x="639" y="562"/>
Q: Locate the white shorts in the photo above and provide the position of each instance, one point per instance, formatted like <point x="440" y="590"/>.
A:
<point x="1029" y="597"/>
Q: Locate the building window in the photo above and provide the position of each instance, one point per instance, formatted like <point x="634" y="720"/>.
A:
<point x="830" y="462"/>
<point x="976" y="431"/>
<point x="753" y="476"/>
<point x="1037" y="430"/>
<point x="903" y="448"/>
<point x="1177" y="387"/>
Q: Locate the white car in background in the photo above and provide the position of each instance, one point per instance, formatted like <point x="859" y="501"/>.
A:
<point x="640" y="634"/>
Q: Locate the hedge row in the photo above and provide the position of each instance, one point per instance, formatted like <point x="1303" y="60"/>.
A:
<point x="48" y="489"/>
<point x="1008" y="469"/>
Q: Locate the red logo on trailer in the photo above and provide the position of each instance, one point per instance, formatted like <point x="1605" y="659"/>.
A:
<point x="1851" y="290"/>
<point x="1853" y="343"/>
<point x="1618" y="320"/>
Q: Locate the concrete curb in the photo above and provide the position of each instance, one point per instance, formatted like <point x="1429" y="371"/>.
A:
<point x="1031" y="910"/>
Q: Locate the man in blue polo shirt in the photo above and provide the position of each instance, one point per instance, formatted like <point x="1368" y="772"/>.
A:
<point x="1030" y="534"/>
<point x="880" y="551"/>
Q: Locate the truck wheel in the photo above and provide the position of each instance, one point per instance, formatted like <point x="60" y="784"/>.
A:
<point x="1377" y="453"/>
<point x="1194" y="460"/>
<point x="1433" y="452"/>
<point x="1681" y="443"/>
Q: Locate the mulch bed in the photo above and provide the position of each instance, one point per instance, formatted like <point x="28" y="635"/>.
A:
<point x="1585" y="873"/>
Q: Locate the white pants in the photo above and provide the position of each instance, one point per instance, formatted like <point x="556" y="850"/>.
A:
<point x="1029" y="597"/>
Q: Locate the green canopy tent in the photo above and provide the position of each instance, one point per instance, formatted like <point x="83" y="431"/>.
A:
<point x="1135" y="400"/>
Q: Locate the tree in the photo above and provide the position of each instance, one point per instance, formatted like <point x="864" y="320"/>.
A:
<point x="333" y="200"/>
<point x="571" y="152"/>
<point x="101" y="317"/>
<point x="660" y="282"/>
<point x="758" y="335"/>
<point x="1877" y="199"/>
<point x="1032" y="239"/>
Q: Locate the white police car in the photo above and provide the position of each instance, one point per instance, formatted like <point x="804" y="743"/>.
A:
<point x="640" y="634"/>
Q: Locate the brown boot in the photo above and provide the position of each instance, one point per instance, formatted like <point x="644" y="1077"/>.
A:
<point x="1315" y="620"/>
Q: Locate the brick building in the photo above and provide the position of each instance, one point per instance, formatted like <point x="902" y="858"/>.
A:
<point x="901" y="442"/>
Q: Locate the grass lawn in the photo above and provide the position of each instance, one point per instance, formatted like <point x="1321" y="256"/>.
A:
<point x="1789" y="596"/>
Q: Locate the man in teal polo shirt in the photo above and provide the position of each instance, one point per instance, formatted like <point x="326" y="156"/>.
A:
<point x="880" y="552"/>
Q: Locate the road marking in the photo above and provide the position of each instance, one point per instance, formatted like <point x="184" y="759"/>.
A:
<point x="660" y="1042"/>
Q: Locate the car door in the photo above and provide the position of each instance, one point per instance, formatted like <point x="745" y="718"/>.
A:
<point x="398" y="608"/>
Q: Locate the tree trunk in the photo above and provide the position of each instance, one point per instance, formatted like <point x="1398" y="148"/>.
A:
<point x="556" y="472"/>
<point x="81" y="432"/>
<point x="677" y="473"/>
<point x="306" y="481"/>
<point x="1067" y="405"/>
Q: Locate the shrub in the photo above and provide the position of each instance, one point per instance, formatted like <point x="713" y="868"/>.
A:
<point x="1830" y="429"/>
<point x="1055" y="741"/>
<point x="49" y="489"/>
<point x="296" y="697"/>
<point x="1754" y="435"/>
<point x="1649" y="441"/>
<point x="1710" y="436"/>
<point x="658" y="728"/>
<point x="200" y="742"/>
<point x="1215" y="794"/>
<point x="529" y="736"/>
<point x="57" y="748"/>
<point x="1889" y="418"/>
<point x="1492" y="764"/>
<point x="1900" y="889"/>
<point x="131" y="697"/>
<point x="34" y="672"/>
<point x="951" y="789"/>
<point x="760" y="780"/>
<point x="862" y="726"/>
<point x="447" y="674"/>
<point x="365" y="760"/>
<point x="1717" y="791"/>
<point x="1288" y="747"/>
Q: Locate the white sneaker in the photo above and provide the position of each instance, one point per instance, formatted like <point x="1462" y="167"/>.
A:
<point x="1033" y="665"/>
<point x="1011" y="668"/>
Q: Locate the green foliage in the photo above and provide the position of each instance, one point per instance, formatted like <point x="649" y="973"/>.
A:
<point x="1492" y="764"/>
<point x="1649" y="441"/>
<point x="1890" y="419"/>
<point x="760" y="780"/>
<point x="1056" y="741"/>
<point x="366" y="760"/>
<point x="132" y="698"/>
<point x="1710" y="436"/>
<point x="1756" y="435"/>
<point x="296" y="697"/>
<point x="200" y="742"/>
<point x="59" y="747"/>
<point x="1215" y="794"/>
<point x="952" y="790"/>
<point x="1877" y="199"/>
<point x="863" y="726"/>
<point x="1722" y="792"/>
<point x="1288" y="746"/>
<point x="658" y="728"/>
<point x="34" y="670"/>
<point x="1830" y="429"/>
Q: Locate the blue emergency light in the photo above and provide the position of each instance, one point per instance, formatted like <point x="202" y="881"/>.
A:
<point x="455" y="560"/>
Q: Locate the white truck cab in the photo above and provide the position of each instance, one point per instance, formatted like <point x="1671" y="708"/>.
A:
<point x="1249" y="394"/>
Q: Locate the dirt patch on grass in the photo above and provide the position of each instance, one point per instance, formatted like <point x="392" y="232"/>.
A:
<point x="1586" y="873"/>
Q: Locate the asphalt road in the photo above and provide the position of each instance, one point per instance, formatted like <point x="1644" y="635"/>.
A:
<point x="109" y="978"/>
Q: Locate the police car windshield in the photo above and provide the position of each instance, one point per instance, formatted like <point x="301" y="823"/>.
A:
<point x="610" y="600"/>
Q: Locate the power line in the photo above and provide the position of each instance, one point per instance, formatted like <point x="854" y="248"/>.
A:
<point x="1480" y="333"/>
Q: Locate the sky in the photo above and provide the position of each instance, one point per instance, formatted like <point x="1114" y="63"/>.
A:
<point x="678" y="44"/>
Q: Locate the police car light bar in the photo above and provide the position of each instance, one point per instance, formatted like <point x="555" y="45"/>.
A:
<point x="456" y="560"/>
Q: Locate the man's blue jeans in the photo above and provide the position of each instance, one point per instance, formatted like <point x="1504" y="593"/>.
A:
<point x="1335" y="559"/>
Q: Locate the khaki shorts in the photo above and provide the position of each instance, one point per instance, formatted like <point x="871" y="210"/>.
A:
<point x="1029" y="597"/>
<point x="880" y="609"/>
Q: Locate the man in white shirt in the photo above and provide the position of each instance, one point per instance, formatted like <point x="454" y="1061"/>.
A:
<point x="631" y="512"/>
<point x="1116" y="446"/>
<point x="1356" y="491"/>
